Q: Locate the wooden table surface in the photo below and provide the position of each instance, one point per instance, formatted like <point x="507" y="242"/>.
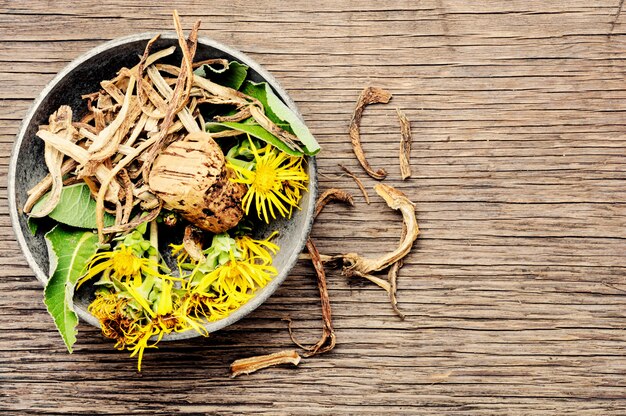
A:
<point x="515" y="292"/>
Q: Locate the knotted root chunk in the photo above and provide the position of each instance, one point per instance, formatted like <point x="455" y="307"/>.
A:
<point x="252" y="364"/>
<point x="190" y="176"/>
<point x="370" y="95"/>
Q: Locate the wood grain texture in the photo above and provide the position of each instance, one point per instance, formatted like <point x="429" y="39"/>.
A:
<point x="515" y="293"/>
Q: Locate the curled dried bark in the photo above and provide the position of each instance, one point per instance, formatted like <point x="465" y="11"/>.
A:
<point x="329" y="195"/>
<point x="252" y="364"/>
<point x="405" y="145"/>
<point x="39" y="190"/>
<point x="358" y="183"/>
<point x="328" y="339"/>
<point x="354" y="264"/>
<point x="370" y="95"/>
<point x="60" y="123"/>
<point x="397" y="200"/>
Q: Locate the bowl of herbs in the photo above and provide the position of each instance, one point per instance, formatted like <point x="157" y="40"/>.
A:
<point x="161" y="187"/>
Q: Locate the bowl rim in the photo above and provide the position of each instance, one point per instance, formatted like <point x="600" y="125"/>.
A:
<point x="15" y="211"/>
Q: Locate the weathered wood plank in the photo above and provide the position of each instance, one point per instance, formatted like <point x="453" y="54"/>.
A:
<point x="515" y="294"/>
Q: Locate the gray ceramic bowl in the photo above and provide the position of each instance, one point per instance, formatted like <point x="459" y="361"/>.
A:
<point x="82" y="76"/>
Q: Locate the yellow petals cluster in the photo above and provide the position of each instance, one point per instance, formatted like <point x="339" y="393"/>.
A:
<point x="275" y="184"/>
<point x="139" y="304"/>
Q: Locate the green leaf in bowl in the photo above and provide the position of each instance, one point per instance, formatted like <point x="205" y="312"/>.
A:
<point x="76" y="208"/>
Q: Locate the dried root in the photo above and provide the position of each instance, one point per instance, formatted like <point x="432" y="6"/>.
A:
<point x="358" y="183"/>
<point x="395" y="199"/>
<point x="327" y="340"/>
<point x="329" y="195"/>
<point x="252" y="364"/>
<point x="370" y="95"/>
<point x="405" y="145"/>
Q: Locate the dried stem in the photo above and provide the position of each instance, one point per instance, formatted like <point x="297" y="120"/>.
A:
<point x="395" y="199"/>
<point x="358" y="183"/>
<point x="252" y="364"/>
<point x="392" y="276"/>
<point x="329" y="195"/>
<point x="327" y="340"/>
<point x="405" y="145"/>
<point x="370" y="95"/>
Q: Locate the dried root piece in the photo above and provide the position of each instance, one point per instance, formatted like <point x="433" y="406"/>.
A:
<point x="252" y="364"/>
<point x="39" y="190"/>
<point x="60" y="123"/>
<point x="328" y="340"/>
<point x="392" y="277"/>
<point x="370" y="95"/>
<point x="358" y="183"/>
<point x="405" y="145"/>
<point x="395" y="199"/>
<point x="191" y="177"/>
<point x="192" y="242"/>
<point x="332" y="194"/>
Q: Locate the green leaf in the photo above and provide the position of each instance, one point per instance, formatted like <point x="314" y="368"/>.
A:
<point x="33" y="225"/>
<point x="76" y="208"/>
<point x="231" y="77"/>
<point x="69" y="251"/>
<point x="279" y="113"/>
<point x="256" y="131"/>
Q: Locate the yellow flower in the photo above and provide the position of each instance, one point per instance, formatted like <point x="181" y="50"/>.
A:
<point x="257" y="249"/>
<point x="275" y="183"/>
<point x="123" y="263"/>
<point x="236" y="279"/>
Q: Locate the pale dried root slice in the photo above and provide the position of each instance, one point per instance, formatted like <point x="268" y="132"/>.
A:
<point x="370" y="95"/>
<point x="190" y="176"/>
<point x="252" y="364"/>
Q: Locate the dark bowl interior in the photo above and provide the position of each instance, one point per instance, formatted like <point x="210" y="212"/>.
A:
<point x="83" y="76"/>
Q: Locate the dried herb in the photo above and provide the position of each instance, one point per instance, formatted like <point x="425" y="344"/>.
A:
<point x="327" y="340"/>
<point x="358" y="183"/>
<point x="332" y="194"/>
<point x="355" y="264"/>
<point x="405" y="145"/>
<point x="143" y="147"/>
<point x="392" y="276"/>
<point x="370" y="95"/>
<point x="252" y="364"/>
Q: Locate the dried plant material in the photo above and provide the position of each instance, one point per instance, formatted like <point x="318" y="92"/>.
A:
<point x="405" y="145"/>
<point x="252" y="364"/>
<point x="191" y="177"/>
<point x="358" y="183"/>
<point x="330" y="195"/>
<point x="354" y="264"/>
<point x="39" y="190"/>
<point x="327" y="340"/>
<point x="60" y="122"/>
<point x="370" y="95"/>
<point x="392" y="277"/>
<point x="192" y="242"/>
